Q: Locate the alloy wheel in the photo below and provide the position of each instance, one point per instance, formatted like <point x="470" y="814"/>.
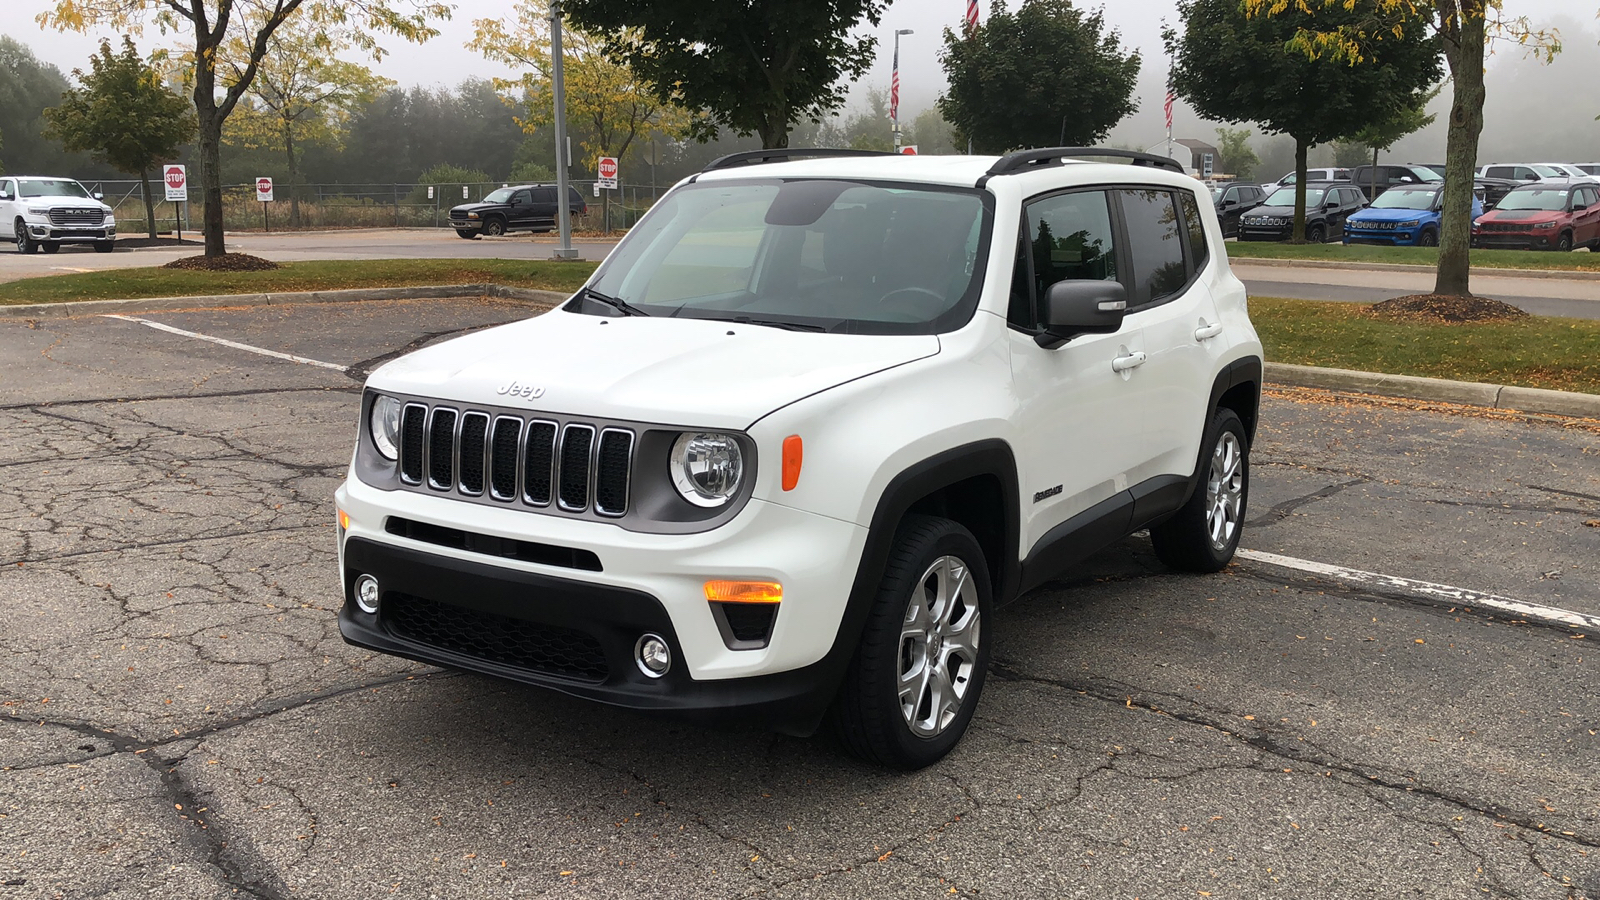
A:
<point x="938" y="647"/>
<point x="1225" y="490"/>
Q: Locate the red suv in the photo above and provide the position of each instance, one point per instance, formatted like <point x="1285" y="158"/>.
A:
<point x="1548" y="215"/>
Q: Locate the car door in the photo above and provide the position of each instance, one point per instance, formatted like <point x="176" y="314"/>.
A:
<point x="1586" y="228"/>
<point x="519" y="210"/>
<point x="8" y="207"/>
<point x="1079" y="403"/>
<point x="544" y="207"/>
<point x="1172" y="304"/>
<point x="1233" y="207"/>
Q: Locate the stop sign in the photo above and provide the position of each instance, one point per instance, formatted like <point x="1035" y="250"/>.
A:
<point x="608" y="167"/>
<point x="175" y="176"/>
<point x="264" y="190"/>
<point x="177" y="183"/>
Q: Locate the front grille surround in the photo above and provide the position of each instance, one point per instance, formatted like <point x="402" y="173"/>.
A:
<point x="77" y="216"/>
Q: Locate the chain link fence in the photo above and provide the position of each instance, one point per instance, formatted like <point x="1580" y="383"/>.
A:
<point x="332" y="206"/>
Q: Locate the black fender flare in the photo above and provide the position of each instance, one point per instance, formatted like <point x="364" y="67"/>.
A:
<point x="1244" y="370"/>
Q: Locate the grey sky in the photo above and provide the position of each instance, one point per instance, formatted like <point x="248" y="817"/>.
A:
<point x="445" y="61"/>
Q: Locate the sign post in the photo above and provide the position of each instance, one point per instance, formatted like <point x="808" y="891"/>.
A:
<point x="176" y="179"/>
<point x="607" y="169"/>
<point x="264" y="194"/>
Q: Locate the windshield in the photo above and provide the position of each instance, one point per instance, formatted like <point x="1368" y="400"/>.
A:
<point x="500" y="196"/>
<point x="1548" y="171"/>
<point x="1535" y="198"/>
<point x="1284" y="196"/>
<point x="811" y="254"/>
<point x="1405" y="198"/>
<point x="50" y="187"/>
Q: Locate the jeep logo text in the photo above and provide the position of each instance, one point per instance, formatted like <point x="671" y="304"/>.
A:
<point x="525" y="391"/>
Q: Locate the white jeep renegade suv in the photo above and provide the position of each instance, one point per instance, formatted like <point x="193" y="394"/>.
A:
<point x="803" y="430"/>
<point x="45" y="213"/>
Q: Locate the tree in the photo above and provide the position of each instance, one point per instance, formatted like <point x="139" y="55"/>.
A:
<point x="750" y="68"/>
<point x="213" y="24"/>
<point x="27" y="87"/>
<point x="1238" y="158"/>
<point x="300" y="88"/>
<point x="1382" y="134"/>
<point x="123" y="116"/>
<point x="932" y="134"/>
<point x="1348" y="30"/>
<point x="1235" y="67"/>
<point x="608" y="105"/>
<point x="1048" y="75"/>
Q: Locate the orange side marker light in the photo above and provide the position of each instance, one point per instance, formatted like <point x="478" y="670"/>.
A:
<point x="793" y="451"/>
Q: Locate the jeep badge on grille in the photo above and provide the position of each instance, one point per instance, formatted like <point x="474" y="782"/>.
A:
<point x="525" y="391"/>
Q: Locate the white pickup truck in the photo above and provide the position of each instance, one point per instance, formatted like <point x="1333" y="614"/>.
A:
<point x="44" y="213"/>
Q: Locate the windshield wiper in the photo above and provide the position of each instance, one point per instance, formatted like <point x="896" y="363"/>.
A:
<point x="621" y="306"/>
<point x="771" y="323"/>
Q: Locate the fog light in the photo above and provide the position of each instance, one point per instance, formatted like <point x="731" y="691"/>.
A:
<point x="652" y="655"/>
<point x="367" y="594"/>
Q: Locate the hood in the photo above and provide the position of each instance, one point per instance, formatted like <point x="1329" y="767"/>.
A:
<point x="1393" y="215"/>
<point x="57" y="202"/>
<point x="1278" y="212"/>
<point x="1529" y="216"/>
<point x="471" y="207"/>
<point x="689" y="372"/>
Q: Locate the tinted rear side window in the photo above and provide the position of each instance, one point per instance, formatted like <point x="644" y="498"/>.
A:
<point x="544" y="195"/>
<point x="1198" y="253"/>
<point x="1155" y="246"/>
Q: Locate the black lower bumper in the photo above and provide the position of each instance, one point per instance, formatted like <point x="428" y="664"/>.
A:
<point x="569" y="636"/>
<point x="1512" y="241"/>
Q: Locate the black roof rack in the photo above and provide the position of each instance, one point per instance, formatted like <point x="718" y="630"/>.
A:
<point x="1028" y="160"/>
<point x="756" y="157"/>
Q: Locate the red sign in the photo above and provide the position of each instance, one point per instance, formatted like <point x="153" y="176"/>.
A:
<point x="608" y="167"/>
<point x="175" y="177"/>
<point x="264" y="189"/>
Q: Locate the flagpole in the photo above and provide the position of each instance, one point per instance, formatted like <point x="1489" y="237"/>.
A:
<point x="972" y="29"/>
<point x="894" y="89"/>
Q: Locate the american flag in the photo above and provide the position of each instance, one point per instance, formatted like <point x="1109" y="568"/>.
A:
<point x="894" y="85"/>
<point x="972" y="16"/>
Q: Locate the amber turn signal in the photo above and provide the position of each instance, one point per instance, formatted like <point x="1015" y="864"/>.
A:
<point x="793" y="450"/>
<point x="344" y="520"/>
<point x="744" y="592"/>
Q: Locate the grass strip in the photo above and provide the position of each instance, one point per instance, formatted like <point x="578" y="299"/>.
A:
<point x="1418" y="256"/>
<point x="1538" y="352"/>
<point x="317" y="275"/>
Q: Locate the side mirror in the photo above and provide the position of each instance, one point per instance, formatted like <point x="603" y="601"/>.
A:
<point x="99" y="196"/>
<point x="1077" y="307"/>
<point x="1578" y="207"/>
<point x="4" y="195"/>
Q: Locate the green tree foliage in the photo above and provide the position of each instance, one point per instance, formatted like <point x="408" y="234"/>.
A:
<point x="27" y="87"/>
<point x="750" y="68"/>
<point x="1234" y="67"/>
<point x="213" y="26"/>
<point x="1382" y="134"/>
<point x="932" y="134"/>
<point x="1046" y="75"/>
<point x="301" y="93"/>
<point x="123" y="116"/>
<point x="400" y="134"/>
<point x="1238" y="158"/>
<point x="449" y="180"/>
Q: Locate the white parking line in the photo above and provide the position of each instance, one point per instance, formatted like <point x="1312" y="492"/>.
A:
<point x="234" y="344"/>
<point x="1520" y="608"/>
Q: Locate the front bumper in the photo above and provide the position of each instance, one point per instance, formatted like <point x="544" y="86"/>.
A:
<point x="70" y="234"/>
<point x="467" y="224"/>
<point x="1264" y="232"/>
<point x="1514" y="240"/>
<point x="1388" y="237"/>
<point x="629" y="583"/>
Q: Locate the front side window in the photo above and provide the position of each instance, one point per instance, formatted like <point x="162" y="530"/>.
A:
<point x="1155" y="245"/>
<point x="51" y="187"/>
<point x="521" y="198"/>
<point x="807" y="254"/>
<point x="1067" y="236"/>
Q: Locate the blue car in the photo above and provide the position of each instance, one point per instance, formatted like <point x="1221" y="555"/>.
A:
<point x="1402" y="217"/>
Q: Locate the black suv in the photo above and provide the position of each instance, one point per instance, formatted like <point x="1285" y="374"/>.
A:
<point x="1232" y="200"/>
<point x="526" y="207"/>
<point x="1328" y="204"/>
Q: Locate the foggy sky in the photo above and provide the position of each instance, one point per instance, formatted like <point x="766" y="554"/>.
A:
<point x="444" y="61"/>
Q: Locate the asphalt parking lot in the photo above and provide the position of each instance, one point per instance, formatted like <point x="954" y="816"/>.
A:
<point x="181" y="719"/>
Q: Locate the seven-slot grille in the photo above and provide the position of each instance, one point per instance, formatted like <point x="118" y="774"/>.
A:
<point x="76" y="217"/>
<point x="1506" y="227"/>
<point x="574" y="466"/>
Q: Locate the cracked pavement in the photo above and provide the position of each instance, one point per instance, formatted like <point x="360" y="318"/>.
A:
<point x="180" y="717"/>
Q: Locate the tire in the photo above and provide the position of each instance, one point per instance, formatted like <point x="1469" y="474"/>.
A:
<point x="494" y="227"/>
<point x="872" y="718"/>
<point x="1564" y="243"/>
<point x="1204" y="534"/>
<point x="1428" y="238"/>
<point x="104" y="246"/>
<point x="50" y="246"/>
<point x="1317" y="234"/>
<point x="467" y="235"/>
<point x="25" y="241"/>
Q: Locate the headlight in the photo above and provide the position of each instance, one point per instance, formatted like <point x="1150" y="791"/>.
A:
<point x="38" y="212"/>
<point x="1546" y="225"/>
<point x="1411" y="224"/>
<point x="385" y="426"/>
<point x="706" y="467"/>
<point x="472" y="215"/>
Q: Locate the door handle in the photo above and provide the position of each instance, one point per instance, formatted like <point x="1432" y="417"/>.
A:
<point x="1125" y="363"/>
<point x="1207" y="332"/>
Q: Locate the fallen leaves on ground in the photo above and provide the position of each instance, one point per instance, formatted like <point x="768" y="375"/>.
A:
<point x="1443" y="309"/>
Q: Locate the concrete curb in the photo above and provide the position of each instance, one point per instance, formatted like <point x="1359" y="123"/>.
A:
<point x="1492" y="396"/>
<point x="149" y="304"/>
<point x="1477" y="271"/>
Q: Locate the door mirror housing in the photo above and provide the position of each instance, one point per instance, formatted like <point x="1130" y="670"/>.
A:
<point x="1081" y="306"/>
<point x="99" y="196"/>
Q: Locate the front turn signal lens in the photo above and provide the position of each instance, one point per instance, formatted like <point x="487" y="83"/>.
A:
<point x="744" y="592"/>
<point x="344" y="520"/>
<point x="793" y="453"/>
